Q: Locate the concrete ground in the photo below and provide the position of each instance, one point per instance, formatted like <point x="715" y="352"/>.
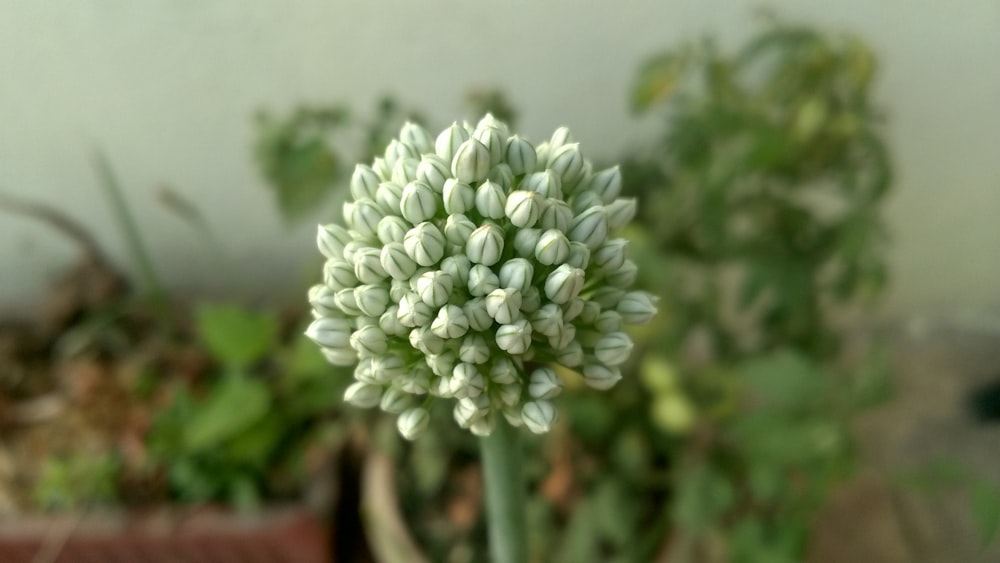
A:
<point x="878" y="518"/>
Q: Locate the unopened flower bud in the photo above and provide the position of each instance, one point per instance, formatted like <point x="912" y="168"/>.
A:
<point x="531" y="300"/>
<point x="365" y="217"/>
<point x="503" y="371"/>
<point x="607" y="184"/>
<point x="624" y="276"/>
<point x="389" y="322"/>
<point x="434" y="287"/>
<point x="544" y="384"/>
<point x="590" y="227"/>
<point x="369" y="341"/>
<point x="547" y="184"/>
<point x="404" y="171"/>
<point x="363" y="395"/>
<point x="417" y="137"/>
<point x="485" y="245"/>
<point x="590" y="312"/>
<point x="477" y="315"/>
<point x="520" y="156"/>
<point x="552" y="248"/>
<point x="489" y="120"/>
<point x="395" y="400"/>
<point x="601" y="377"/>
<point x="579" y="255"/>
<point x="450" y="322"/>
<point x="386" y="368"/>
<point x="412" y="422"/>
<point x="467" y="382"/>
<point x="490" y="200"/>
<point x="474" y="349"/>
<point x="607" y="297"/>
<point x="381" y="168"/>
<point x="483" y="426"/>
<point x="502" y="176"/>
<point x="321" y="297"/>
<point x="458" y="228"/>
<point x="510" y="394"/>
<point x="563" y="284"/>
<point x="556" y="215"/>
<point x="442" y="364"/>
<point x="504" y="305"/>
<point x="364" y="182"/>
<point x="425" y="244"/>
<point x="560" y="137"/>
<point x="458" y="197"/>
<point x="584" y="201"/>
<point x="388" y="196"/>
<point x="613" y="349"/>
<point x="396" y="262"/>
<point x="421" y="338"/>
<point x="523" y="208"/>
<point x="391" y="229"/>
<point x="516" y="273"/>
<point x="525" y="241"/>
<point x="620" y="212"/>
<point x="413" y="312"/>
<point x="339" y="274"/>
<point x="562" y="336"/>
<point x="371" y="299"/>
<point x="331" y="240"/>
<point x="433" y="171"/>
<point x="637" y="307"/>
<point x="330" y="332"/>
<point x="567" y="161"/>
<point x="448" y="142"/>
<point x="471" y="162"/>
<point x="397" y="150"/>
<point x="494" y="141"/>
<point x="482" y="280"/>
<point x="547" y="319"/>
<point x="344" y="299"/>
<point x="571" y="356"/>
<point x="418" y="202"/>
<point x="538" y="416"/>
<point x="368" y="266"/>
<point x="610" y="256"/>
<point x="514" y="338"/>
<point x="418" y="381"/>
<point x="458" y="267"/>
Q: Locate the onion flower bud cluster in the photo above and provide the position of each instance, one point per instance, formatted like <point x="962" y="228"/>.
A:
<point x="468" y="264"/>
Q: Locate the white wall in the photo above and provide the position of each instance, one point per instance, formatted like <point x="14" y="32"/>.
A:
<point x="168" y="89"/>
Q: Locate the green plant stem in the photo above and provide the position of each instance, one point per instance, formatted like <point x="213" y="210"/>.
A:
<point x="504" y="484"/>
<point x="126" y="222"/>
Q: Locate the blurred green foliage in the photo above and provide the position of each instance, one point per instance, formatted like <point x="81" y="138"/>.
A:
<point x="77" y="481"/>
<point x="762" y="227"/>
<point x="242" y="434"/>
<point x="302" y="157"/>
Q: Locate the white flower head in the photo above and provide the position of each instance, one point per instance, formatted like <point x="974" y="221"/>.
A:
<point x="465" y="265"/>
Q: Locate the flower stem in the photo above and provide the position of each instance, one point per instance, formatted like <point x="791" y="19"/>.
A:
<point x="503" y="482"/>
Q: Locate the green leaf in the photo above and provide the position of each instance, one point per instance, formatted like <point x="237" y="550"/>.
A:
<point x="657" y="79"/>
<point x="703" y="496"/>
<point x="985" y="499"/>
<point x="235" y="336"/>
<point x="785" y="380"/>
<point x="235" y="404"/>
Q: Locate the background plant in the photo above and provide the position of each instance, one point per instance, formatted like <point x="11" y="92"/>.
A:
<point x="763" y="199"/>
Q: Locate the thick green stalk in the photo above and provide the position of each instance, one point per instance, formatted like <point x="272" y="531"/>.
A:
<point x="504" y="484"/>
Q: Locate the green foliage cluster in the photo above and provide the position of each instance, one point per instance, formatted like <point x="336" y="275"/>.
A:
<point x="762" y="206"/>
<point x="243" y="433"/>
